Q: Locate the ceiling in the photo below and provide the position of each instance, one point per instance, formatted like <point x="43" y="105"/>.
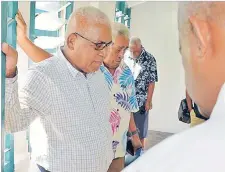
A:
<point x="134" y="3"/>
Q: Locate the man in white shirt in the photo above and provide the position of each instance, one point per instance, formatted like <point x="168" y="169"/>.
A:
<point x="201" y="148"/>
<point x="65" y="99"/>
<point x="120" y="83"/>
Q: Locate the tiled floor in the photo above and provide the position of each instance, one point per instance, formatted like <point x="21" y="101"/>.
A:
<point x="155" y="137"/>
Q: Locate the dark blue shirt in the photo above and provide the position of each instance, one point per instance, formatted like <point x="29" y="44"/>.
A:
<point x="146" y="75"/>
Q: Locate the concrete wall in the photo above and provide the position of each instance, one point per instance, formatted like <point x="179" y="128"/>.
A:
<point x="21" y="154"/>
<point x="156" y="24"/>
<point x="107" y="7"/>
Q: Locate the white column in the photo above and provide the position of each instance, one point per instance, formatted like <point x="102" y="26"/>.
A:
<point x="94" y="3"/>
<point x="108" y="8"/>
<point x="20" y="143"/>
<point x="78" y="4"/>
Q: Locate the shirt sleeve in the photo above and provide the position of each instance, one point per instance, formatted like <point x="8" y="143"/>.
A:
<point x="152" y="70"/>
<point x="32" y="101"/>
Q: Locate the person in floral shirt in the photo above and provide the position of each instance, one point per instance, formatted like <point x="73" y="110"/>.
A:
<point x="124" y="102"/>
<point x="144" y="68"/>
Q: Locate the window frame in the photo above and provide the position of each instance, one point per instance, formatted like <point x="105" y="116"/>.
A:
<point x="125" y="13"/>
<point x="63" y="12"/>
<point x="8" y="34"/>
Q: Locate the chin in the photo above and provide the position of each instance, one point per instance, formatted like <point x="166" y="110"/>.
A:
<point x="116" y="65"/>
<point x="95" y="69"/>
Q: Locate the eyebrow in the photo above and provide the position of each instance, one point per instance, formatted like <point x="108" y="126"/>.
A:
<point x="123" y="47"/>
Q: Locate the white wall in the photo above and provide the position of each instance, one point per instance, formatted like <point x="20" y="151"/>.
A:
<point x="156" y="24"/>
<point x="107" y="7"/>
<point x="20" y="143"/>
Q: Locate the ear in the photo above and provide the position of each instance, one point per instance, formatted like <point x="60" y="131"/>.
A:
<point x="71" y="41"/>
<point x="202" y="32"/>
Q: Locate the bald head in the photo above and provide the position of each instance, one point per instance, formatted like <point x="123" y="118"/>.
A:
<point x="83" y="19"/>
<point x="207" y="11"/>
<point x="202" y="42"/>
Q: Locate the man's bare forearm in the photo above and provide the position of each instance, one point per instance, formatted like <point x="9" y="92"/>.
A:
<point x="34" y="52"/>
<point x="151" y="88"/>
<point x="132" y="128"/>
<point x="132" y="125"/>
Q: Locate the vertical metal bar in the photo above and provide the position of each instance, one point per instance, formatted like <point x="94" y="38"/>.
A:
<point x="11" y="39"/>
<point x="4" y="6"/>
<point x="115" y="18"/>
<point x="69" y="10"/>
<point x="129" y="15"/>
<point x="32" y="20"/>
<point x="123" y="9"/>
<point x="12" y="10"/>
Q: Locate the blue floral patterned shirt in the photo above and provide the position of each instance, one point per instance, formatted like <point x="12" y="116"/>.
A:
<point x="144" y="70"/>
<point x="123" y="103"/>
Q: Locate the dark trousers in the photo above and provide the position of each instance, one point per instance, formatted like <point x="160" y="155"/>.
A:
<point x="141" y="122"/>
<point x="42" y="169"/>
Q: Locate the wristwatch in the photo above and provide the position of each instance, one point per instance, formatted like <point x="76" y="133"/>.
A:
<point x="130" y="134"/>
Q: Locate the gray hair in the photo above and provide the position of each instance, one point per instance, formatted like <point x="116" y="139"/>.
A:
<point x="88" y="13"/>
<point x="135" y="40"/>
<point x="93" y="14"/>
<point x="119" y="29"/>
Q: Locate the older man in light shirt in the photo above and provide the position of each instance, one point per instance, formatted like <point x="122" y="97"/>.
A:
<point x="120" y="83"/>
<point x="67" y="97"/>
<point x="201" y="148"/>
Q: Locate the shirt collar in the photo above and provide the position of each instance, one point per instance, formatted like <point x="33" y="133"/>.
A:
<point x="121" y="65"/>
<point x="142" y="52"/>
<point x="73" y="70"/>
<point x="219" y="108"/>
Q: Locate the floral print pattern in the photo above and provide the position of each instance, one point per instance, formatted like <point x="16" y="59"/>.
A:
<point x="123" y="103"/>
<point x="147" y="74"/>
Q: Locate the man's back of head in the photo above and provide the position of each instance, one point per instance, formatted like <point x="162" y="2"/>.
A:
<point x="202" y="42"/>
<point x="201" y="148"/>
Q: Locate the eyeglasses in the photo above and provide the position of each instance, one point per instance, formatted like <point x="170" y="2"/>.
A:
<point x="99" y="45"/>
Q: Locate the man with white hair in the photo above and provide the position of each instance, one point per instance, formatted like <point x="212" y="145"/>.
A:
<point x="121" y="87"/>
<point x="144" y="68"/>
<point x="124" y="102"/>
<point x="65" y="99"/>
<point x="202" y="42"/>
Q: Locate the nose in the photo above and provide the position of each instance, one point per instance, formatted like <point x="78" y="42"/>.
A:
<point x="103" y="52"/>
<point x="121" y="53"/>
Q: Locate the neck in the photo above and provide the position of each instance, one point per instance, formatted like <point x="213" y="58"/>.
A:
<point x="111" y="69"/>
<point x="68" y="57"/>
